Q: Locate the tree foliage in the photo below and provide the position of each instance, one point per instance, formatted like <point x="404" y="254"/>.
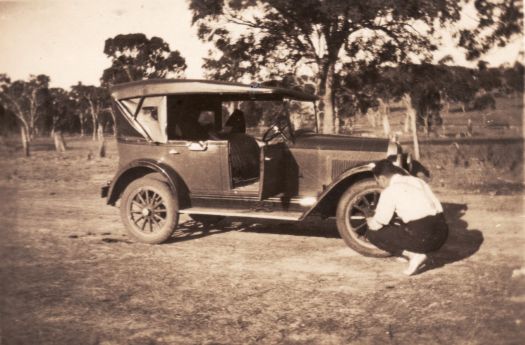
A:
<point x="91" y="100"/>
<point x="25" y="99"/>
<point x="283" y="36"/>
<point x="136" y="57"/>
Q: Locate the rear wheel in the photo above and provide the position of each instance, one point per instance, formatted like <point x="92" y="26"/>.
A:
<point x="358" y="202"/>
<point x="149" y="210"/>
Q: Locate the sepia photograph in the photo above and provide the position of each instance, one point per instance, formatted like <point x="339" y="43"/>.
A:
<point x="299" y="172"/>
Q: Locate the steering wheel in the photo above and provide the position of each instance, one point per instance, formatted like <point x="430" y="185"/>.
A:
<point x="278" y="127"/>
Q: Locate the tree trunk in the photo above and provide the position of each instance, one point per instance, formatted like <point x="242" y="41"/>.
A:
<point x="24" y="135"/>
<point x="58" y="138"/>
<point x="82" y="130"/>
<point x="406" y="127"/>
<point x="114" y="118"/>
<point x="411" y="114"/>
<point x="317" y="119"/>
<point x="94" y="118"/>
<point x="328" y="100"/>
<point x="386" y="125"/>
<point x="469" y="128"/>
<point x="384" y="112"/>
<point x="446" y="113"/>
<point x="95" y="125"/>
<point x="371" y="117"/>
<point x="101" y="142"/>
<point x="426" y="124"/>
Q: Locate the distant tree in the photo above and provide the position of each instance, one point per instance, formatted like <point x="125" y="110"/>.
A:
<point x="7" y="120"/>
<point x="460" y="84"/>
<point x="61" y="110"/>
<point x="91" y="100"/>
<point x="321" y="35"/>
<point x="26" y="101"/>
<point x="136" y="57"/>
<point x="489" y="78"/>
<point x="513" y="77"/>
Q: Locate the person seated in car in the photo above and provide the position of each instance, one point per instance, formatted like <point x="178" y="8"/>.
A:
<point x="236" y="123"/>
<point x="422" y="227"/>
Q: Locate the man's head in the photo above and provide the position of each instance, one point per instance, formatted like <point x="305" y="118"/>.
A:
<point x="384" y="170"/>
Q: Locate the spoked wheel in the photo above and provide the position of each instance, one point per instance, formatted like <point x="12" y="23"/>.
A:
<point x="357" y="203"/>
<point x="149" y="210"/>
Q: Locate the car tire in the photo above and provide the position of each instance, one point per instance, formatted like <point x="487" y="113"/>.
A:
<point x="149" y="210"/>
<point x="356" y="202"/>
<point x="205" y="219"/>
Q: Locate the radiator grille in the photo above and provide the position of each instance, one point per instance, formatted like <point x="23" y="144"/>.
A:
<point x="340" y="166"/>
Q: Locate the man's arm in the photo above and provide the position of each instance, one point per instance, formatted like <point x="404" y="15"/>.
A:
<point x="384" y="211"/>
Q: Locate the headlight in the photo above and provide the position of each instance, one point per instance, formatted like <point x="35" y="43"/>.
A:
<point x="393" y="149"/>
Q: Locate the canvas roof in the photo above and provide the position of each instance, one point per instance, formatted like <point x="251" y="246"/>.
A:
<point x="154" y="87"/>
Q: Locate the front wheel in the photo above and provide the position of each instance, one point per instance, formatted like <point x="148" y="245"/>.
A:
<point x="149" y="210"/>
<point x="358" y="202"/>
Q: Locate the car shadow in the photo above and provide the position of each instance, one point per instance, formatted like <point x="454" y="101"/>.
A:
<point x="191" y="230"/>
<point x="311" y="227"/>
<point x="462" y="242"/>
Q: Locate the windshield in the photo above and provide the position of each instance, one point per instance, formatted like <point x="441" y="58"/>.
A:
<point x="260" y="114"/>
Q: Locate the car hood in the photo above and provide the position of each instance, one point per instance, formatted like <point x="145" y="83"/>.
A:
<point x="340" y="142"/>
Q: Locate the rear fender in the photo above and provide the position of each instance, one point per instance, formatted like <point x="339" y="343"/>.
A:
<point x="139" y="168"/>
<point x="327" y="202"/>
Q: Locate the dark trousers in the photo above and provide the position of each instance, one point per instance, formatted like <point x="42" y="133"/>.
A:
<point x="420" y="236"/>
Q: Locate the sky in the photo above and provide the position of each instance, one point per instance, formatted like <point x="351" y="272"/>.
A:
<point x="65" y="39"/>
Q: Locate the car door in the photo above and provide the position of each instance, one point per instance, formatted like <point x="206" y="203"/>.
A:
<point x="272" y="165"/>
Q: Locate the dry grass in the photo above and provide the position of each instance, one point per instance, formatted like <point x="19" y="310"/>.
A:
<point x="69" y="275"/>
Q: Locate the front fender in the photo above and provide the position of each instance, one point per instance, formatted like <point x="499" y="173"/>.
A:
<point x="327" y="201"/>
<point x="137" y="169"/>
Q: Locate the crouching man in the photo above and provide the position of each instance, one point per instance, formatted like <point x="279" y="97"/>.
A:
<point x="422" y="227"/>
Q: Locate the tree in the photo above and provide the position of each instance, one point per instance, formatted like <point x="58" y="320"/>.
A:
<point x="513" y="77"/>
<point x="320" y="35"/>
<point x="61" y="110"/>
<point x="136" y="57"/>
<point x="91" y="100"/>
<point x="25" y="100"/>
<point x="498" y="22"/>
<point x="231" y="59"/>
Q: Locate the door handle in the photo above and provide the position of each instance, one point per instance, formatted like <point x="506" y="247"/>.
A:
<point x="173" y="152"/>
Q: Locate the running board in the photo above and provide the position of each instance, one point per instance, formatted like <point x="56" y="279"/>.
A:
<point x="243" y="213"/>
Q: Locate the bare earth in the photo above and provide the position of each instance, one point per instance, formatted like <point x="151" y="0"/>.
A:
<point x="69" y="274"/>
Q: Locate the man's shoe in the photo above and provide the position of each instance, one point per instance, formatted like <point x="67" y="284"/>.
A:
<point x="414" y="263"/>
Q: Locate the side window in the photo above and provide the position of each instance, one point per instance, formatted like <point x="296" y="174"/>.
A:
<point x="192" y="118"/>
<point x="152" y="118"/>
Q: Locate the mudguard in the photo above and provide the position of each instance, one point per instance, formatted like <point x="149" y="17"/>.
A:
<point x="137" y="169"/>
<point x="342" y="182"/>
<point x="331" y="193"/>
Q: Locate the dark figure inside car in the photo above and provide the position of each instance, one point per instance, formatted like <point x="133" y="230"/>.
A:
<point x="189" y="128"/>
<point x="422" y="227"/>
<point x="236" y="123"/>
<point x="244" y="151"/>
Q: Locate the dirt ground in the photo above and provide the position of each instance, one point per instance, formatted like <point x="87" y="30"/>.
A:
<point x="69" y="274"/>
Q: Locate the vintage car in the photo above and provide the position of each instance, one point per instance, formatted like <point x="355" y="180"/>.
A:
<point x="181" y="152"/>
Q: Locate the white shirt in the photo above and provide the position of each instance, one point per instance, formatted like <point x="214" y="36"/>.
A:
<point x="409" y="197"/>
